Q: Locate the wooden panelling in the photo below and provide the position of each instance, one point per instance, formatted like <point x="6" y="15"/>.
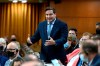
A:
<point x="80" y="14"/>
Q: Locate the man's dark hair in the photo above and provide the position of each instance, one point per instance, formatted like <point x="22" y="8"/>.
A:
<point x="96" y="37"/>
<point x="50" y="8"/>
<point x="89" y="47"/>
<point x="98" y="23"/>
<point x="73" y="29"/>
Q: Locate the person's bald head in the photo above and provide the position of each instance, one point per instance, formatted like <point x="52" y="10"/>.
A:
<point x="33" y="63"/>
<point x="13" y="38"/>
<point x="12" y="45"/>
<point x="12" y="50"/>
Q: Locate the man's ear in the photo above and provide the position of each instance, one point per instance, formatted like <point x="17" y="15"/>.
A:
<point x="86" y="51"/>
<point x="16" y="50"/>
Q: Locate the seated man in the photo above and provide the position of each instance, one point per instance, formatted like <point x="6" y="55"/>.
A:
<point x="89" y="52"/>
<point x="73" y="59"/>
<point x="14" y="39"/>
<point x="72" y="42"/>
<point x="70" y="45"/>
<point x="98" y="28"/>
<point x="3" y="59"/>
<point x="12" y="53"/>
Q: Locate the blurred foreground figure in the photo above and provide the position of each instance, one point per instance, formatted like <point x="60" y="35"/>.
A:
<point x="89" y="52"/>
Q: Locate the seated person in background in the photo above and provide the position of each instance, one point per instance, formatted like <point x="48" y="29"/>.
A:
<point x="12" y="53"/>
<point x="72" y="34"/>
<point x="73" y="59"/>
<point x="14" y="39"/>
<point x="6" y="39"/>
<point x="89" y="52"/>
<point x="71" y="41"/>
<point x="32" y="60"/>
<point x="98" y="28"/>
<point x="3" y="58"/>
<point x="2" y="46"/>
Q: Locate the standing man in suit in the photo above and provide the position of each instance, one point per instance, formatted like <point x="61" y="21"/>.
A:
<point x="53" y="34"/>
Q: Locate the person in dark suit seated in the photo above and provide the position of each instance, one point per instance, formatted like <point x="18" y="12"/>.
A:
<point x="89" y="51"/>
<point x="72" y="42"/>
<point x="53" y="34"/>
<point x="3" y="58"/>
<point x="12" y="52"/>
<point x="74" y="58"/>
<point x="98" y="28"/>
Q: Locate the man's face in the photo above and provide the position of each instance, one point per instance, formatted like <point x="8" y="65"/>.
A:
<point x="72" y="33"/>
<point x="50" y="15"/>
<point x="84" y="38"/>
<point x="83" y="56"/>
<point x="11" y="50"/>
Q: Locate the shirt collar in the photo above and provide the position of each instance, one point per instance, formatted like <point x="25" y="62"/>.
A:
<point x="90" y="62"/>
<point x="53" y="21"/>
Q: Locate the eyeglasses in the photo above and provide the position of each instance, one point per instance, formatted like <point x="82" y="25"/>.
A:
<point x="10" y="49"/>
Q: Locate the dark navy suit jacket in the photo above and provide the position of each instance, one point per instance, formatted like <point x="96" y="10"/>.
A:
<point x="59" y="33"/>
<point x="3" y="59"/>
<point x="96" y="61"/>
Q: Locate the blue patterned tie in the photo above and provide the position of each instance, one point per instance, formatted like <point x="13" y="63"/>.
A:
<point x="49" y="28"/>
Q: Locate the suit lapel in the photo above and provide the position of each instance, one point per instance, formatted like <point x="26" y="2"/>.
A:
<point x="54" y="28"/>
<point x="45" y="29"/>
<point x="95" y="59"/>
